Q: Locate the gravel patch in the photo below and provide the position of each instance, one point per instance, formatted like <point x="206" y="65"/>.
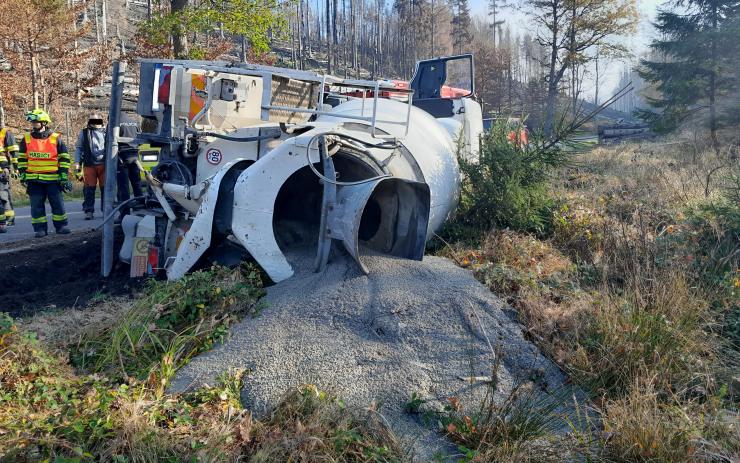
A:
<point x="375" y="339"/>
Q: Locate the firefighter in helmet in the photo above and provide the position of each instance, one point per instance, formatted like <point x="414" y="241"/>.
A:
<point x="90" y="162"/>
<point x="43" y="163"/>
<point x="8" y="165"/>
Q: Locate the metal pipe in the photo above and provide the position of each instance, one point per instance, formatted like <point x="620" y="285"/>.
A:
<point x="207" y="105"/>
<point x="375" y="107"/>
<point x="238" y="139"/>
<point x="111" y="162"/>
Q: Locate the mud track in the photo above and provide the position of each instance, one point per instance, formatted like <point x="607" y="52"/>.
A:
<point x="56" y="272"/>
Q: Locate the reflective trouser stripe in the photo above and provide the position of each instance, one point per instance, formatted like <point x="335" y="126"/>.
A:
<point x="45" y="177"/>
<point x="38" y="219"/>
<point x="10" y="213"/>
<point x="58" y="218"/>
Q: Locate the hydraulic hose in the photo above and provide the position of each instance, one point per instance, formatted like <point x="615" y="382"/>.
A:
<point x="324" y="153"/>
<point x="239" y="139"/>
<point x="113" y="212"/>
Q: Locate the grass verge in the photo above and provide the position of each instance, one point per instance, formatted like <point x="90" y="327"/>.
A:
<point x="634" y="291"/>
<point x="114" y="406"/>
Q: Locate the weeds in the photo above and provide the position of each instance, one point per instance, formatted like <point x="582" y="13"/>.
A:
<point x="172" y="322"/>
<point x="49" y="412"/>
<point x="313" y="426"/>
<point x="635" y="295"/>
<point x="517" y="428"/>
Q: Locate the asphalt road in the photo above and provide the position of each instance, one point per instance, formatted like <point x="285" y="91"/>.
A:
<point x="23" y="230"/>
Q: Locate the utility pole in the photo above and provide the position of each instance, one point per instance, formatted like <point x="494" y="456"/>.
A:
<point x="111" y="160"/>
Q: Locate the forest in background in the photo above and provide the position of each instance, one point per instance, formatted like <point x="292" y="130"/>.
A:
<point x="56" y="54"/>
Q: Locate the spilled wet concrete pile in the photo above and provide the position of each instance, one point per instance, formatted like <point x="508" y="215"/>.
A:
<point x="407" y="327"/>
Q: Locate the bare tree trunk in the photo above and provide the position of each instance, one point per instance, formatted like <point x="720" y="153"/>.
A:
<point x="293" y="52"/>
<point x="713" y="83"/>
<point x="33" y="68"/>
<point x="97" y="21"/>
<point x="104" y="19"/>
<point x="380" y="38"/>
<point x="2" y="110"/>
<point x="552" y="85"/>
<point x="307" y="10"/>
<point x="354" y="35"/>
<point x="344" y="37"/>
<point x="433" y="23"/>
<point x="596" y="91"/>
<point x="335" y="35"/>
<point x="78" y="83"/>
<point x="299" y="17"/>
<point x="179" y="37"/>
<point x="329" y="49"/>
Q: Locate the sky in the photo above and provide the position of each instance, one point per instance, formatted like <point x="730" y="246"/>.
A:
<point x="637" y="43"/>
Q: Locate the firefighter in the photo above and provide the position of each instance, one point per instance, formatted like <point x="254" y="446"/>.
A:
<point x="43" y="163"/>
<point x="8" y="166"/>
<point x="90" y="161"/>
<point x="128" y="171"/>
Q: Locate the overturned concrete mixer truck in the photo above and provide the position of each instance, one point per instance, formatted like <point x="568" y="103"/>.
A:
<point x="255" y="159"/>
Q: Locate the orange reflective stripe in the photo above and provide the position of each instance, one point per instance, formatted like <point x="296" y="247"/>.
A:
<point x="42" y="154"/>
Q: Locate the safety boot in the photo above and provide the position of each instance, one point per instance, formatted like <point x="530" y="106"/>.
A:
<point x="63" y="231"/>
<point x="40" y="234"/>
<point x="88" y="215"/>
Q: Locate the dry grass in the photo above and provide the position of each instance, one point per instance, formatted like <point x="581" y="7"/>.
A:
<point x="56" y="329"/>
<point x="50" y="412"/>
<point x="309" y="425"/>
<point x="634" y="294"/>
<point x="644" y="427"/>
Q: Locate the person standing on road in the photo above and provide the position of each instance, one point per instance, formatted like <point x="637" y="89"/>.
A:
<point x="8" y="166"/>
<point x="90" y="160"/>
<point x="128" y="171"/>
<point x="43" y="162"/>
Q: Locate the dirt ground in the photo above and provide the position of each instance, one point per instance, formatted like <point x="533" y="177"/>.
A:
<point x="57" y="272"/>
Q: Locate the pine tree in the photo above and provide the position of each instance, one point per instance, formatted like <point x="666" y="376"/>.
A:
<point x="699" y="62"/>
<point x="461" y="26"/>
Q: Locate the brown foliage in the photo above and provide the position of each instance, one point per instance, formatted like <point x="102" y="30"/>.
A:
<point x="49" y="63"/>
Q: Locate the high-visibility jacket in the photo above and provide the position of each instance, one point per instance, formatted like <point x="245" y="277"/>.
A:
<point x="41" y="159"/>
<point x="8" y="148"/>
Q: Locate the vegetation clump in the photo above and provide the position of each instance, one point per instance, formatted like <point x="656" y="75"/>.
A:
<point x="171" y="323"/>
<point x="632" y="288"/>
<point x="115" y="408"/>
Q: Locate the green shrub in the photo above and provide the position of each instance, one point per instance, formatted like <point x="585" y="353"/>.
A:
<point x="507" y="187"/>
<point x="173" y="322"/>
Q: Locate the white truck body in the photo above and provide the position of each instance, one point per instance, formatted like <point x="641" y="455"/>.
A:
<point x="261" y="159"/>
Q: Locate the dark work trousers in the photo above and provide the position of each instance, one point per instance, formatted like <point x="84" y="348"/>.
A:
<point x="39" y="192"/>
<point x="6" y="203"/>
<point x="128" y="173"/>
